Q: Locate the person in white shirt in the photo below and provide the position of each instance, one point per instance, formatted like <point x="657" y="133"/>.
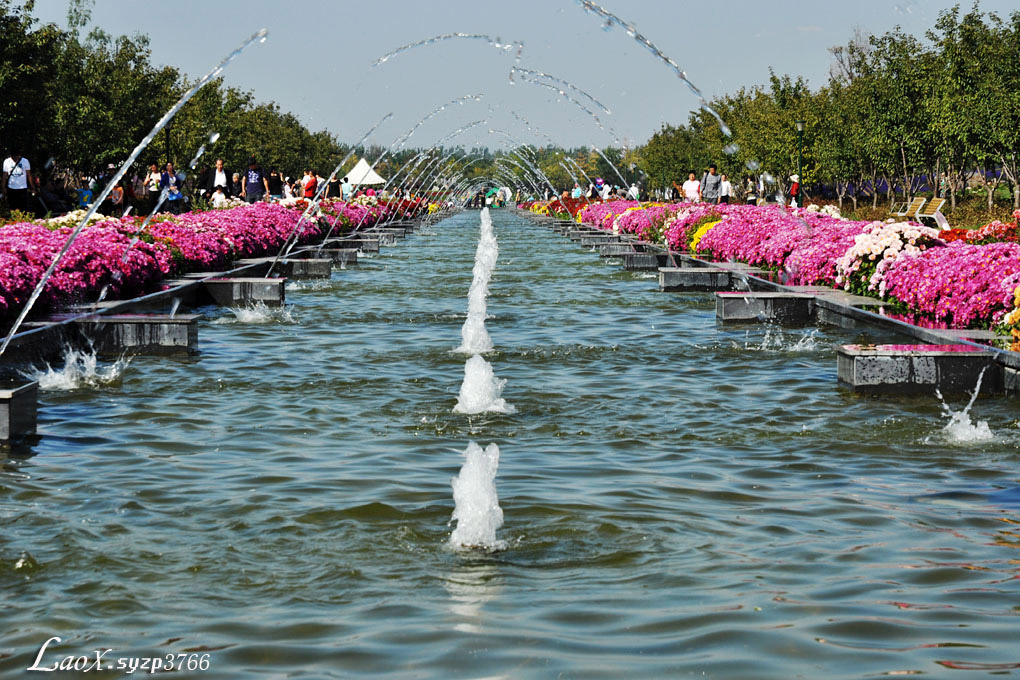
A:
<point x="725" y="190"/>
<point x="606" y="190"/>
<point x="633" y="193"/>
<point x="17" y="181"/>
<point x="692" y="189"/>
<point x="219" y="200"/>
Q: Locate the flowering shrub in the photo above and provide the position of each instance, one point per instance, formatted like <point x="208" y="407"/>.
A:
<point x="862" y="268"/>
<point x="71" y="219"/>
<point x="602" y="213"/>
<point x="962" y="285"/>
<point x="112" y="255"/>
<point x="970" y="283"/>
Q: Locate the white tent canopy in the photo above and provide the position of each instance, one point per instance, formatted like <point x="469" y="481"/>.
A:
<point x="363" y="174"/>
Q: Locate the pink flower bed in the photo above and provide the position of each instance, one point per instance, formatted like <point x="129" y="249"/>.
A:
<point x="601" y="215"/>
<point x="961" y="285"/>
<point x="955" y="285"/>
<point x="103" y="255"/>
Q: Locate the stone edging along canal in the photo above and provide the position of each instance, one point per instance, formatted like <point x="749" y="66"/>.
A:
<point x="947" y="360"/>
<point x="150" y="324"/>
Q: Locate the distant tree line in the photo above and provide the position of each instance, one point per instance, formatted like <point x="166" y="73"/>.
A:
<point x="86" y="102"/>
<point x="897" y="116"/>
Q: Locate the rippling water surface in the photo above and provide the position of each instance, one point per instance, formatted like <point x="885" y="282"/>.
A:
<point x="680" y="498"/>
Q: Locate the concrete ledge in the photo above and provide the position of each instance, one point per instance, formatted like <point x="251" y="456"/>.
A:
<point x="342" y="256"/>
<point x="240" y="292"/>
<point x="18" y="407"/>
<point x="903" y="369"/>
<point x="645" y="261"/>
<point x="695" y="279"/>
<point x="298" y="269"/>
<point x="616" y="249"/>
<point x="599" y="239"/>
<point x="365" y="245"/>
<point x="142" y="333"/>
<point x="756" y="307"/>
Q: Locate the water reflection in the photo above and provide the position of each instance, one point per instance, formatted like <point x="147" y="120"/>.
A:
<point x="470" y="585"/>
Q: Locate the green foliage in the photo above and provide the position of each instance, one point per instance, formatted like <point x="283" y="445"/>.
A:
<point x="895" y="111"/>
<point x="87" y="102"/>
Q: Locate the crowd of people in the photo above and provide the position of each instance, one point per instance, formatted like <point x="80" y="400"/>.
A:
<point x="163" y="189"/>
<point x="713" y="187"/>
<point x="716" y="188"/>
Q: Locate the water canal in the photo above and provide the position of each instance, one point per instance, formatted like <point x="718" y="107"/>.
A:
<point x="680" y="497"/>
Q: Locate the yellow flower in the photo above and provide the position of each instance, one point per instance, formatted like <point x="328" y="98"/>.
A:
<point x="700" y="233"/>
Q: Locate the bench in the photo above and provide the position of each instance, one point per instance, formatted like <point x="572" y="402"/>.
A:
<point x="930" y="211"/>
<point x="909" y="209"/>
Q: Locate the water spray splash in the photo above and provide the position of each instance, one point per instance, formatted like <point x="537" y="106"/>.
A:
<point x="564" y="95"/>
<point x="546" y="76"/>
<point x="475" y="338"/>
<point x="775" y="341"/>
<point x="961" y="429"/>
<point x="611" y="19"/>
<point x="80" y="370"/>
<point x="477" y="510"/>
<point x="495" y="42"/>
<point x="258" y="313"/>
<point x="481" y="391"/>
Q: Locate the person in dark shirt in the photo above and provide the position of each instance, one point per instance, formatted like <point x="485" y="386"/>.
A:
<point x="170" y="181"/>
<point x="219" y="177"/>
<point x="202" y="180"/>
<point x="333" y="188"/>
<point x="275" y="185"/>
<point x="256" y="185"/>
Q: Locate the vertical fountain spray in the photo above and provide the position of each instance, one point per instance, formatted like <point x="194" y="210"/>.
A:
<point x="477" y="510"/>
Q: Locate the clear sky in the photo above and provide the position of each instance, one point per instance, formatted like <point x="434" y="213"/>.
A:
<point x="317" y="61"/>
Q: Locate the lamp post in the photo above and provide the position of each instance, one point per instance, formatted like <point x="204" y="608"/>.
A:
<point x="800" y="155"/>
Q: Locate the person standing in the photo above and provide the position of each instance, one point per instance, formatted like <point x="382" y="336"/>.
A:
<point x="275" y="184"/>
<point x="794" y="190"/>
<point x="171" y="183"/>
<point x="333" y="188"/>
<point x="633" y="194"/>
<point x="346" y="189"/>
<point x="256" y="186"/>
<point x="151" y="184"/>
<point x="710" y="185"/>
<point x="308" y="185"/>
<point x="219" y="177"/>
<point x="17" y="181"/>
<point x="725" y="190"/>
<point x="692" y="189"/>
<point x="116" y="201"/>
<point x="750" y="191"/>
<point x="202" y="181"/>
